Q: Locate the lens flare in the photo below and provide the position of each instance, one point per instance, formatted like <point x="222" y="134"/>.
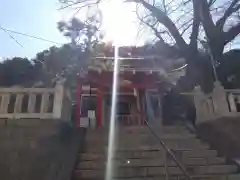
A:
<point x="112" y="131"/>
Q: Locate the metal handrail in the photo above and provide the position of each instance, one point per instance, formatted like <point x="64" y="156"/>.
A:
<point x="181" y="167"/>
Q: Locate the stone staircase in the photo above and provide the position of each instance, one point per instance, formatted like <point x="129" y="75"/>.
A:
<point x="139" y="156"/>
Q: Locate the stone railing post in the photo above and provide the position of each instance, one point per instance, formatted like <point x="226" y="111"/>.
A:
<point x="18" y="103"/>
<point x="58" y="100"/>
<point x="232" y="103"/>
<point x="44" y="102"/>
<point x="198" y="101"/>
<point x="67" y="105"/>
<point x="31" y="103"/>
<point x="220" y="100"/>
<point x="4" y="103"/>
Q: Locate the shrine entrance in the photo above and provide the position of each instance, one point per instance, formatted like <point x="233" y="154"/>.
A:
<point x="133" y="105"/>
<point x="127" y="110"/>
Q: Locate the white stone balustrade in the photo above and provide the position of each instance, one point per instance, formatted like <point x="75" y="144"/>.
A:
<point x="220" y="103"/>
<point x="41" y="103"/>
<point x="233" y="97"/>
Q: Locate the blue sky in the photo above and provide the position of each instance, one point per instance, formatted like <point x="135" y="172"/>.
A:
<point x="40" y="17"/>
<point x="32" y="17"/>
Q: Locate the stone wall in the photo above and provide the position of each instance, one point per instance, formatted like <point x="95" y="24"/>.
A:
<point x="38" y="149"/>
<point x="223" y="135"/>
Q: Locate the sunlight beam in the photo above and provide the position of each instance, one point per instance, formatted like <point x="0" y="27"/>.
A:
<point x="112" y="131"/>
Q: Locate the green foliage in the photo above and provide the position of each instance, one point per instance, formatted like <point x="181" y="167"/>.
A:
<point x="17" y="71"/>
<point x="56" y="63"/>
<point x="46" y="67"/>
<point x="228" y="69"/>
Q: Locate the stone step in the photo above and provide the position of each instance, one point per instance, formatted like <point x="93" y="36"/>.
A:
<point x="147" y="148"/>
<point x="98" y="143"/>
<point x="153" y="153"/>
<point x="141" y="131"/>
<point x="144" y="141"/>
<point x="127" y="172"/>
<point x="185" y="145"/>
<point x="198" y="177"/>
<point x="160" y="161"/>
<point x="145" y="129"/>
<point x="143" y="136"/>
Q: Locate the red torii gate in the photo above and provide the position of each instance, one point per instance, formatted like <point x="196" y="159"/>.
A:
<point x="103" y="81"/>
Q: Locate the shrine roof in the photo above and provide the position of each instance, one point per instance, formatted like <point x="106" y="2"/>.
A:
<point x="140" y="51"/>
<point x="145" y="59"/>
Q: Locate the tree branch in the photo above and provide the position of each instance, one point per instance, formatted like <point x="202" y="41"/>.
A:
<point x="230" y="10"/>
<point x="167" y="22"/>
<point x="231" y="34"/>
<point x="181" y="17"/>
<point x="206" y="18"/>
<point x="152" y="27"/>
<point x="195" y="28"/>
<point x="69" y="5"/>
<point x="164" y="6"/>
<point x="184" y="3"/>
<point x="84" y="3"/>
<point x="211" y="2"/>
<point x="185" y="29"/>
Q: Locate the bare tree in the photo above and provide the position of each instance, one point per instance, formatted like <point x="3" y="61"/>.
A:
<point x="185" y="24"/>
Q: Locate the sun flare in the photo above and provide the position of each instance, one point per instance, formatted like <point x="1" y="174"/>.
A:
<point x="119" y="22"/>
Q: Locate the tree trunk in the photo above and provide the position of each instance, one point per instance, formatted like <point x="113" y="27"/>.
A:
<point x="198" y="72"/>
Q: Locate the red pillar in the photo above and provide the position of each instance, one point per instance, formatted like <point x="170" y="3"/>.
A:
<point x="99" y="107"/>
<point x="78" y="103"/>
<point x="143" y="106"/>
